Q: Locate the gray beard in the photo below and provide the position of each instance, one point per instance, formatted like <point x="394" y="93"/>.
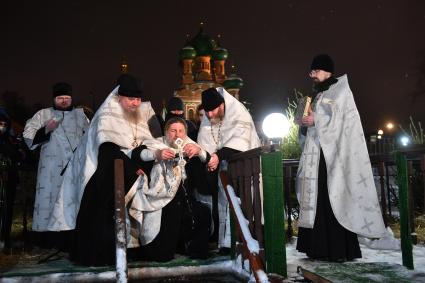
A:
<point x="132" y="117"/>
<point x="170" y="143"/>
<point x="216" y="120"/>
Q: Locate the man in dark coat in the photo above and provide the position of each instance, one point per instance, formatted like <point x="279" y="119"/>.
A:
<point x="9" y="158"/>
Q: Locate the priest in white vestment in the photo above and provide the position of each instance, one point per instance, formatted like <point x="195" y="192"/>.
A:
<point x="85" y="202"/>
<point x="172" y="217"/>
<point x="335" y="184"/>
<point x="58" y="131"/>
<point x="226" y="128"/>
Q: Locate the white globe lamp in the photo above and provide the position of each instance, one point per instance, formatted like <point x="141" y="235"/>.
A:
<point x="276" y="126"/>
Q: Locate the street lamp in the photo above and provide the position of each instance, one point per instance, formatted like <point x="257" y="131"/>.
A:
<point x="404" y="140"/>
<point x="275" y="127"/>
<point x="390" y="126"/>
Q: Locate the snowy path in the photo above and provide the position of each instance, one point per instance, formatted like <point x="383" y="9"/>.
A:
<point x="294" y="259"/>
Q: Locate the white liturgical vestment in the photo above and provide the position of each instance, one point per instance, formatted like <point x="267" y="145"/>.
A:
<point x="54" y="156"/>
<point x="236" y="131"/>
<point x="351" y="187"/>
<point x="108" y="125"/>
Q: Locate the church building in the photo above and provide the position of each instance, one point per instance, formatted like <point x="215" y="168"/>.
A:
<point x="203" y="63"/>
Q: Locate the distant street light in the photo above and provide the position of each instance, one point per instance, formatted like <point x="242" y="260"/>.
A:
<point x="390" y="126"/>
<point x="380" y="132"/>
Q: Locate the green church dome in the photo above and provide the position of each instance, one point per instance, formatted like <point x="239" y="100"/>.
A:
<point x="220" y="53"/>
<point x="233" y="81"/>
<point x="203" y="44"/>
<point x="187" y="52"/>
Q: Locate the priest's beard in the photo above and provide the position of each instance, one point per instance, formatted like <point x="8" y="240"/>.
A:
<point x="218" y="118"/>
<point x="171" y="143"/>
<point x="132" y="117"/>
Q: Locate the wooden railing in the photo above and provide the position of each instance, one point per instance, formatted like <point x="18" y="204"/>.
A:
<point x="246" y="170"/>
<point x="382" y="146"/>
<point x="257" y="178"/>
<point x="248" y="251"/>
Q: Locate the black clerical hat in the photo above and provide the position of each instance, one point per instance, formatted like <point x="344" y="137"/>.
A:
<point x="211" y="99"/>
<point x="129" y="86"/>
<point x="62" y="89"/>
<point x="175" y="103"/>
<point x="323" y="62"/>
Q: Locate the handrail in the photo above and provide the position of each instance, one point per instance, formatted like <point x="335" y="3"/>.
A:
<point x="412" y="150"/>
<point x="257" y="177"/>
<point x="243" y="230"/>
<point x="255" y="152"/>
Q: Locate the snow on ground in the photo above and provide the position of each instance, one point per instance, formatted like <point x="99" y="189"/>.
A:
<point x="295" y="259"/>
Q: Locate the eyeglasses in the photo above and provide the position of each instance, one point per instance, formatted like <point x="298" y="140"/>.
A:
<point x="314" y="72"/>
<point x="63" y="98"/>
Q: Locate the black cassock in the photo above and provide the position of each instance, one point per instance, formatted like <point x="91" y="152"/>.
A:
<point x="328" y="240"/>
<point x="94" y="238"/>
<point x="185" y="224"/>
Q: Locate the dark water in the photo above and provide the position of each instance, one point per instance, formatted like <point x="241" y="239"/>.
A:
<point x="212" y="278"/>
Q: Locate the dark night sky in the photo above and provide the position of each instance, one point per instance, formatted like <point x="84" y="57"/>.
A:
<point x="379" y="44"/>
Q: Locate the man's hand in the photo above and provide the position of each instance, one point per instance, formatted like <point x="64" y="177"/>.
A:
<point x="299" y="122"/>
<point x="308" y="120"/>
<point x="165" y="154"/>
<point x="212" y="165"/>
<point x="140" y="172"/>
<point x="51" y="126"/>
<point x="191" y="150"/>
